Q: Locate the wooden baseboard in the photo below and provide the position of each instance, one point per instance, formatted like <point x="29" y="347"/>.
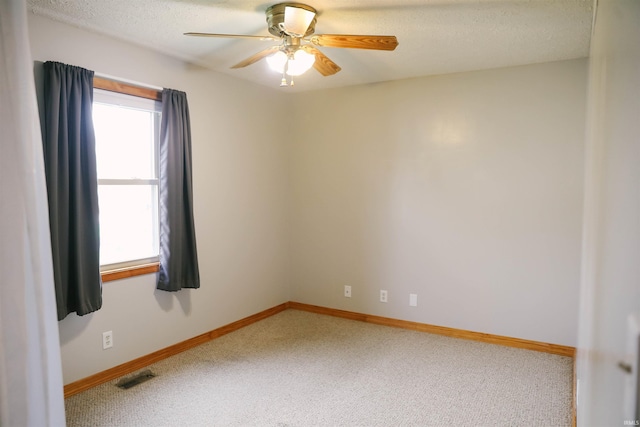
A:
<point x="141" y="362"/>
<point x="440" y="330"/>
<point x="144" y="361"/>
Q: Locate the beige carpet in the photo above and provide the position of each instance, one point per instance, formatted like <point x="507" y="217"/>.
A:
<point x="304" y="369"/>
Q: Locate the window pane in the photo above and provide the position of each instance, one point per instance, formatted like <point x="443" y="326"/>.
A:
<point x="128" y="222"/>
<point x="125" y="146"/>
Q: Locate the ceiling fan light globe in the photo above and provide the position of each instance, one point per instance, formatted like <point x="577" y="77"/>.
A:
<point x="300" y="63"/>
<point x="277" y="61"/>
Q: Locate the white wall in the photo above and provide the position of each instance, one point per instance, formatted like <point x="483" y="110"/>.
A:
<point x="240" y="206"/>
<point x="611" y="271"/>
<point x="465" y="189"/>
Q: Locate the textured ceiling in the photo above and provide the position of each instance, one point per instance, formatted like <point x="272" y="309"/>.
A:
<point x="435" y="36"/>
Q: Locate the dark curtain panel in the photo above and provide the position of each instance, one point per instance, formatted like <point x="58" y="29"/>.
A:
<point x="72" y="187"/>
<point x="178" y="256"/>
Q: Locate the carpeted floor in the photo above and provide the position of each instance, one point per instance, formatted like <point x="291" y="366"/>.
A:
<point x="304" y="369"/>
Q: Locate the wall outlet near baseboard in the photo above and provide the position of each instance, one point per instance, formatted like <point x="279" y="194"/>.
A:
<point x="107" y="340"/>
<point x="347" y="291"/>
<point x="383" y="296"/>
<point x="413" y="300"/>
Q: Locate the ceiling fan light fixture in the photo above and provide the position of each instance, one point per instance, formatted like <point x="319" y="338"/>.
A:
<point x="294" y="64"/>
<point x="300" y="63"/>
<point x="277" y="61"/>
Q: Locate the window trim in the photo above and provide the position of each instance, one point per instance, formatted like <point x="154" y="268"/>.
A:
<point x="126" y="88"/>
<point x="115" y="273"/>
<point x="124" y="272"/>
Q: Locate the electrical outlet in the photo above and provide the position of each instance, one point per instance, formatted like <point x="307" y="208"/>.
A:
<point x="107" y="340"/>
<point x="347" y="291"/>
<point x="383" y="296"/>
<point x="413" y="300"/>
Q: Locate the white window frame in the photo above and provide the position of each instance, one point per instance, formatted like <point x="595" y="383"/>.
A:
<point x="131" y="101"/>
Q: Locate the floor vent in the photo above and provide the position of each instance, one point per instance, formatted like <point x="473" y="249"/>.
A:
<point x="138" y="378"/>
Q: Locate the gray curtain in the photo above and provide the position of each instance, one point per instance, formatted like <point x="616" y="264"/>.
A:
<point x="178" y="256"/>
<point x="72" y="187"/>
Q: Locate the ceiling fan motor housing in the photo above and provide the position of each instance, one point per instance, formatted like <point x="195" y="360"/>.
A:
<point x="275" y="17"/>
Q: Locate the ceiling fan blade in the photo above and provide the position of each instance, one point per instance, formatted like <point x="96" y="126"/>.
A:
<point x="232" y="36"/>
<point x="297" y="20"/>
<point x="356" y="42"/>
<point x="323" y="65"/>
<point x="257" y="57"/>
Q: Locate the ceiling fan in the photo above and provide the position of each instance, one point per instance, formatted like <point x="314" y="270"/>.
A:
<point x="293" y="26"/>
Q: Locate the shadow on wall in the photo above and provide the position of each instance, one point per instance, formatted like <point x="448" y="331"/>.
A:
<point x="166" y="300"/>
<point x="73" y="326"/>
<point x="38" y="74"/>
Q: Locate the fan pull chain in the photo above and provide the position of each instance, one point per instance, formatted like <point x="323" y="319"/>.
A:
<point x="283" y="82"/>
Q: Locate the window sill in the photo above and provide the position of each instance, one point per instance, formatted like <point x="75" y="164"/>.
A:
<point x="123" y="273"/>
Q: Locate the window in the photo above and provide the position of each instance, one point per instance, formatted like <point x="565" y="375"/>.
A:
<point x="127" y="132"/>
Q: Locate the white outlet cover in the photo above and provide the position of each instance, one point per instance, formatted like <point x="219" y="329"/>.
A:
<point x="413" y="300"/>
<point x="383" y="296"/>
<point x="107" y="340"/>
